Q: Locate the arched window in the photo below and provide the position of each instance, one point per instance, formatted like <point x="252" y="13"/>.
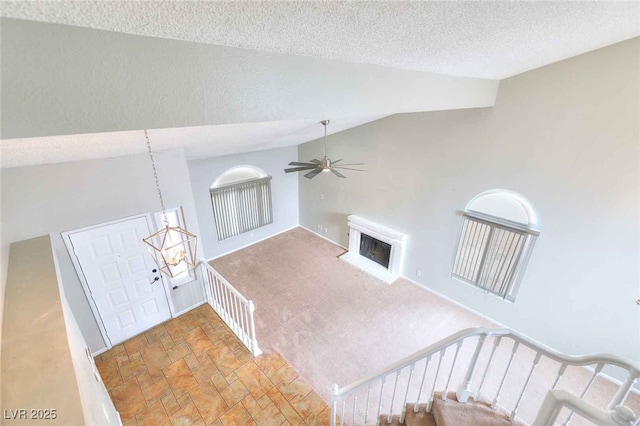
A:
<point x="498" y="231"/>
<point x="241" y="200"/>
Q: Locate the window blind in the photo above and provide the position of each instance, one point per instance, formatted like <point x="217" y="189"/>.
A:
<point x="241" y="206"/>
<point x="491" y="255"/>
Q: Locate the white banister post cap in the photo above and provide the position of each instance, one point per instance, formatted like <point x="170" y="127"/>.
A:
<point x="623" y="415"/>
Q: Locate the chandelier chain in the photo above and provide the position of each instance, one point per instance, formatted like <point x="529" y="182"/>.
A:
<point x="155" y="176"/>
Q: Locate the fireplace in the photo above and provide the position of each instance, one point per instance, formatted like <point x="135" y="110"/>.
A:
<point x="375" y="249"/>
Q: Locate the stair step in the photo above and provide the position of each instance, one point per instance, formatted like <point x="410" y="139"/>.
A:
<point x="421" y="418"/>
<point x="477" y="413"/>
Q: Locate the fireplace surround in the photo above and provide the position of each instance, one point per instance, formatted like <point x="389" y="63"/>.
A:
<point x="371" y="245"/>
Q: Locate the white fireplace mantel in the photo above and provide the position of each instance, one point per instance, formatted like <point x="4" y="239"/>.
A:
<point x="359" y="226"/>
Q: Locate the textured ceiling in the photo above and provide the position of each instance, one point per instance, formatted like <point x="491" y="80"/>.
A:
<point x="491" y="40"/>
<point x="197" y="142"/>
<point x="479" y="39"/>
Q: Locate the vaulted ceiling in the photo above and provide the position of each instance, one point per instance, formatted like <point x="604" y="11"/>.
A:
<point x="217" y="78"/>
<point x="493" y="40"/>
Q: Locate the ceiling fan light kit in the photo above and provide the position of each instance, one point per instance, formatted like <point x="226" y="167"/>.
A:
<point x="325" y="165"/>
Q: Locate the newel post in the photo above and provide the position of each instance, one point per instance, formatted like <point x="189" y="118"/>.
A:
<point x="255" y="350"/>
<point x="465" y="387"/>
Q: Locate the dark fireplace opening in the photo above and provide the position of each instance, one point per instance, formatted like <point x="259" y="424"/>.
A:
<point x="376" y="250"/>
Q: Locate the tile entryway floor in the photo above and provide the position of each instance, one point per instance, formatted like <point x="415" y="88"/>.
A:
<point x="192" y="370"/>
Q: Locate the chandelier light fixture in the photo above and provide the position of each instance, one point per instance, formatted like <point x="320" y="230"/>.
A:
<point x="172" y="248"/>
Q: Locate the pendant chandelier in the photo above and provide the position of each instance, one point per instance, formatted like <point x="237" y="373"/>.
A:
<point x="172" y="248"/>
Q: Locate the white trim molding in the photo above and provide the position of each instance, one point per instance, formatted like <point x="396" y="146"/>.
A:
<point x="397" y="240"/>
<point x="322" y="236"/>
<point x="251" y="243"/>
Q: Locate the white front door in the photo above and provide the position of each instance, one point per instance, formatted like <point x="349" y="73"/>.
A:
<point x="121" y="277"/>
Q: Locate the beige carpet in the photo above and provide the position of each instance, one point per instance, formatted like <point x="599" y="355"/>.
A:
<point x="336" y="324"/>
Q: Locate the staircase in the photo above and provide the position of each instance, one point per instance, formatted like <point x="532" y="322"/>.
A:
<point x="499" y="377"/>
<point x="451" y="413"/>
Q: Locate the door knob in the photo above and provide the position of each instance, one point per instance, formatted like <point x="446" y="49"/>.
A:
<point x="155" y="279"/>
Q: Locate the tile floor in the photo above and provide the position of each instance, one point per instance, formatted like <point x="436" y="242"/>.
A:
<point x="192" y="370"/>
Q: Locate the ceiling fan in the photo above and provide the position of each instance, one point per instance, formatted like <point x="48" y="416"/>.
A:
<point x="324" y="165"/>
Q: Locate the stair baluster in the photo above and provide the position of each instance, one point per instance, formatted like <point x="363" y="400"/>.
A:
<point x="353" y="413"/>
<point x="393" y="396"/>
<point x="406" y="393"/>
<point x="453" y="365"/>
<point x="506" y="371"/>
<point x="424" y="374"/>
<point x="623" y="390"/>
<point x="526" y="384"/>
<point x="561" y="371"/>
<point x="435" y="380"/>
<point x="344" y="403"/>
<point x="380" y="401"/>
<point x="366" y="408"/>
<point x="496" y="343"/>
<point x="465" y="388"/>
<point x="596" y="372"/>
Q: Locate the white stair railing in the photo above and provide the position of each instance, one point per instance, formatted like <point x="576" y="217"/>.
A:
<point x="558" y="399"/>
<point x="471" y="366"/>
<point x="234" y="309"/>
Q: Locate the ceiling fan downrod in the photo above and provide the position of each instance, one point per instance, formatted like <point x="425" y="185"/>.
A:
<point x="325" y="165"/>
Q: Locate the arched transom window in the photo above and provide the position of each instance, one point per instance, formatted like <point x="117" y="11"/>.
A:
<point x="241" y="200"/>
<point x="499" y="229"/>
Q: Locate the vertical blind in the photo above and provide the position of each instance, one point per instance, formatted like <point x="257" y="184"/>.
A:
<point x="241" y="206"/>
<point x="492" y="256"/>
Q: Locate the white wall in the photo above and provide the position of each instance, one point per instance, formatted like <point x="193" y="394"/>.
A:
<point x="565" y="136"/>
<point x="284" y="188"/>
<point x="62" y="80"/>
<point x="53" y="198"/>
<point x="97" y="406"/>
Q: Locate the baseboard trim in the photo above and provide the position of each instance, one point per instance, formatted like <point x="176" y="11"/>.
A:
<point x="634" y="390"/>
<point x="99" y="352"/>
<point x="416" y="283"/>
<point x="500" y="325"/>
<point x="322" y="236"/>
<point x="461" y="305"/>
<point x="177" y="314"/>
<point x="184" y="311"/>
<point x="250" y="244"/>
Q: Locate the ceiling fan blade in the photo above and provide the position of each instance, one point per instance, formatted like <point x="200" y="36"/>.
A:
<point x="313" y="173"/>
<point x="299" y="169"/>
<point x="348" y="168"/>
<point x="337" y="173"/>
<point x="334" y="162"/>
<point x="296" y="163"/>
<point x="314" y="161"/>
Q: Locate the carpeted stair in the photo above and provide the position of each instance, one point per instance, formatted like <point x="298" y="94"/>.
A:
<point x="421" y="418"/>
<point x="453" y="413"/>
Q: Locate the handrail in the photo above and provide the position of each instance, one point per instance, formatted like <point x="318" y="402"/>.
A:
<point x="234" y="290"/>
<point x="557" y="399"/>
<point x="375" y="382"/>
<point x="417" y="356"/>
<point x="494" y="332"/>
<point x="234" y="309"/>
